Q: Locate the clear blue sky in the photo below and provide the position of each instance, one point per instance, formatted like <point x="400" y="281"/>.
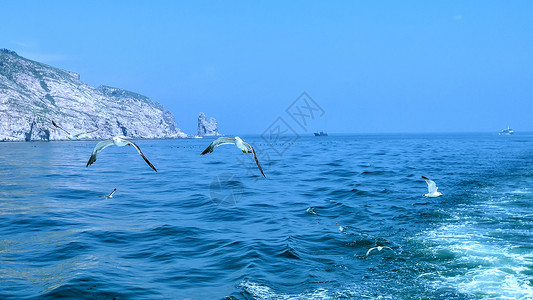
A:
<point x="373" y="66"/>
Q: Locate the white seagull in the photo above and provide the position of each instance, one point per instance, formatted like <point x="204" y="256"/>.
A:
<point x="379" y="249"/>
<point x="311" y="210"/>
<point x="73" y="137"/>
<point x="237" y="141"/>
<point x="119" y="142"/>
<point x="111" y="195"/>
<point x="347" y="229"/>
<point x="432" y="188"/>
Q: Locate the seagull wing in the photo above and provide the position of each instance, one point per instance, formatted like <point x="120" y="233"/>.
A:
<point x="255" y="157"/>
<point x="111" y="195"/>
<point x="93" y="130"/>
<point x="55" y="124"/>
<point x="141" y="153"/>
<point x="99" y="147"/>
<point x="369" y="250"/>
<point x="387" y="247"/>
<point x="84" y="133"/>
<point x="218" y="142"/>
<point x="432" y="186"/>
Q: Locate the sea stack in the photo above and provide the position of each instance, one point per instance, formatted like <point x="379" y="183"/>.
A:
<point x="207" y="128"/>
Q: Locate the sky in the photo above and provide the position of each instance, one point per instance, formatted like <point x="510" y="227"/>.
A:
<point x="369" y="66"/>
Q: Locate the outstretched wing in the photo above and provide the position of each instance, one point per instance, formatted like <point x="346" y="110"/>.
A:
<point x="99" y="147"/>
<point x="255" y="157"/>
<point x="387" y="247"/>
<point x="55" y="124"/>
<point x="111" y="195"/>
<point x="432" y="186"/>
<point x="370" y="250"/>
<point x="84" y="133"/>
<point x="218" y="142"/>
<point x="141" y="153"/>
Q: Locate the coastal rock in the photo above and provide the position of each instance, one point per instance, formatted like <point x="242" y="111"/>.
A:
<point x="33" y="94"/>
<point x="207" y="128"/>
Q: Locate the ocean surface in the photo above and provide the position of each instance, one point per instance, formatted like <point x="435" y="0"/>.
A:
<point x="211" y="227"/>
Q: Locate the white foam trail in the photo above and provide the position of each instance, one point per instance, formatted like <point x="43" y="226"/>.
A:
<point x="521" y="191"/>
<point x="264" y="292"/>
<point x="260" y="292"/>
<point x="478" y="263"/>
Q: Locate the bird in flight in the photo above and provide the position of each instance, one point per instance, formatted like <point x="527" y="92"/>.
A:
<point x="311" y="210"/>
<point x="432" y="188"/>
<point x="237" y="141"/>
<point x="379" y="248"/>
<point x="73" y="137"/>
<point x="119" y="142"/>
<point x="111" y="195"/>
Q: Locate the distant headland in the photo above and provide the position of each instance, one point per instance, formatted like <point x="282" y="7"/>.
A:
<point x="32" y="94"/>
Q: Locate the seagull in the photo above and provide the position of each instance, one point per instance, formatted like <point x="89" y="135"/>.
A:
<point x="379" y="249"/>
<point x="111" y="195"/>
<point x="344" y="228"/>
<point x="73" y="137"/>
<point x="119" y="142"/>
<point x="237" y="141"/>
<point x="311" y="210"/>
<point x="432" y="188"/>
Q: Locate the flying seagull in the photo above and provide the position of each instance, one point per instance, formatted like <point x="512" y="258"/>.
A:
<point x="311" y="210"/>
<point x="119" y="142"/>
<point x="346" y="229"/>
<point x="237" y="141"/>
<point x="73" y="137"/>
<point x="432" y="188"/>
<point x="111" y="195"/>
<point x="379" y="249"/>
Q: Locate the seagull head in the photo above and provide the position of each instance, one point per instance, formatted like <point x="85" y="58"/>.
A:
<point x="238" y="138"/>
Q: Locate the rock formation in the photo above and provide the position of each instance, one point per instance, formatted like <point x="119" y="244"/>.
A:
<point x="33" y="94"/>
<point x="207" y="128"/>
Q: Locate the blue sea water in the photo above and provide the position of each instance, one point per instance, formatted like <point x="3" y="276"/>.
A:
<point x="211" y="227"/>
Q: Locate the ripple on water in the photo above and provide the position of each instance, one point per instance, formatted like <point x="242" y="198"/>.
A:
<point x="167" y="235"/>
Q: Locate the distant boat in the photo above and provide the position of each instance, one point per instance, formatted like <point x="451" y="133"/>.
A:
<point x="507" y="131"/>
<point x="321" y="133"/>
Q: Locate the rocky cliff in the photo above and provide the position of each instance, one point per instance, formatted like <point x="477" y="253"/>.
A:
<point x="33" y="94"/>
<point x="207" y="128"/>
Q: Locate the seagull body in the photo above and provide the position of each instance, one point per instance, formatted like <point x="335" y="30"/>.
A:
<point x="73" y="137"/>
<point x="344" y="229"/>
<point x="379" y="248"/>
<point x="432" y="188"/>
<point x="311" y="210"/>
<point x="111" y="195"/>
<point x="119" y="142"/>
<point x="237" y="141"/>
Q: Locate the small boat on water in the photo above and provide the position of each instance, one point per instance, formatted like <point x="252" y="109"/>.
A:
<point x="321" y="133"/>
<point x="507" y="131"/>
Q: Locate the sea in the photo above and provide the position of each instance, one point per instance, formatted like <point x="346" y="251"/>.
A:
<point x="212" y="227"/>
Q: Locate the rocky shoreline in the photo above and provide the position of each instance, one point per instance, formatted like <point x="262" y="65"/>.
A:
<point x="33" y="94"/>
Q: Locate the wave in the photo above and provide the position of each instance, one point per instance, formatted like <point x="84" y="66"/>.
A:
<point x="260" y="292"/>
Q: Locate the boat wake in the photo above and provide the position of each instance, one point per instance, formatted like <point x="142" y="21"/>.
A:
<point x="484" y="250"/>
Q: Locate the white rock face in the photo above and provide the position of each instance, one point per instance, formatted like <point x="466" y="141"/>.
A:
<point x="207" y="128"/>
<point x="33" y="94"/>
